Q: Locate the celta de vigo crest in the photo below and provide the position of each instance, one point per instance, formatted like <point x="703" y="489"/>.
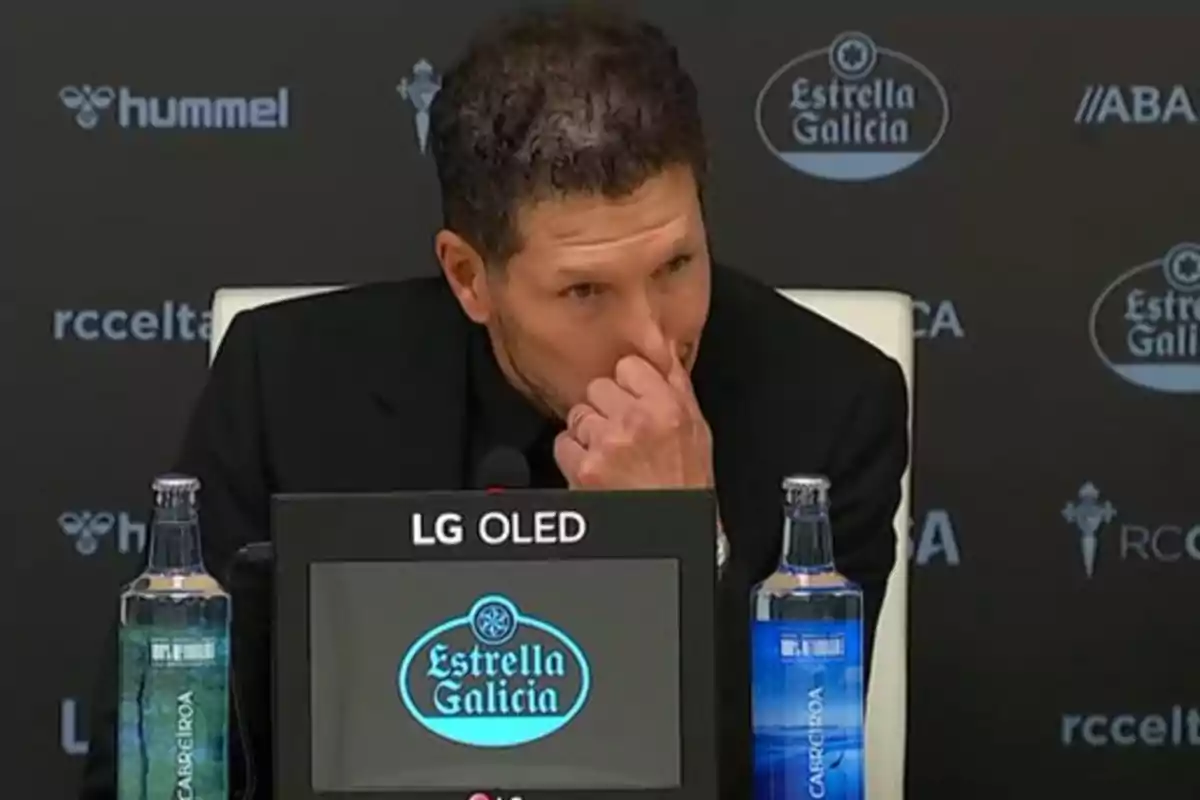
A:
<point x="494" y="677"/>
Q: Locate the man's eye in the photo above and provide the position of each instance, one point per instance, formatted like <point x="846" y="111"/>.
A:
<point x="582" y="291"/>
<point x="675" y="265"/>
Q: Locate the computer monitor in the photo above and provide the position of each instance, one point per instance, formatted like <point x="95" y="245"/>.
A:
<point x="468" y="645"/>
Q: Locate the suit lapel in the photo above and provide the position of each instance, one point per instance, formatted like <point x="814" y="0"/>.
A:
<point x="746" y="476"/>
<point x="418" y="382"/>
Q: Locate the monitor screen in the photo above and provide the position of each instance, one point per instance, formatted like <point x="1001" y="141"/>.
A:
<point x="456" y="675"/>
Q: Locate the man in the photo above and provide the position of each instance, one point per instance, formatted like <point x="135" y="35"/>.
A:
<point x="578" y="319"/>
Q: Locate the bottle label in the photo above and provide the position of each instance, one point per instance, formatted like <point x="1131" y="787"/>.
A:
<point x="807" y="696"/>
<point x="174" y="716"/>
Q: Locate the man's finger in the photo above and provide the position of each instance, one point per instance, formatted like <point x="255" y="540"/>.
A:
<point x="585" y="424"/>
<point x="656" y="350"/>
<point x="569" y="455"/>
<point x="641" y="379"/>
<point x="610" y="399"/>
<point x="679" y="379"/>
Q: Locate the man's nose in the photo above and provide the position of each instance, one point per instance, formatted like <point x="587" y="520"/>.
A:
<point x="644" y="333"/>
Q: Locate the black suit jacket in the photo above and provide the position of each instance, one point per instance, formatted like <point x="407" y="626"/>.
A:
<point x="365" y="389"/>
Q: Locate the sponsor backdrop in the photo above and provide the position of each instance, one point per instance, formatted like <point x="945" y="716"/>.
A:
<point x="1030" y="181"/>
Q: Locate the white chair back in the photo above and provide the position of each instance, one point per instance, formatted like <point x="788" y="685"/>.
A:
<point x="885" y="320"/>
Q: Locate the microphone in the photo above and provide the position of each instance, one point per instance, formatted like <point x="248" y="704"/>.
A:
<point x="254" y="553"/>
<point x="502" y="468"/>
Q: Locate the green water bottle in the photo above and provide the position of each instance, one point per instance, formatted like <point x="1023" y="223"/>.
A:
<point x="173" y="737"/>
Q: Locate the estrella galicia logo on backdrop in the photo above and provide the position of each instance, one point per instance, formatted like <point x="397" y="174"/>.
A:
<point x="494" y="677"/>
<point x="419" y="90"/>
<point x="852" y="111"/>
<point x="91" y="103"/>
<point x="1145" y="326"/>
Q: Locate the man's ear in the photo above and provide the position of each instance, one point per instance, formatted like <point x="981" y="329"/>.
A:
<point x="466" y="272"/>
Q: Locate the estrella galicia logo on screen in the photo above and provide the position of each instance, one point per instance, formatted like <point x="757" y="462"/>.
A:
<point x="1145" y="326"/>
<point x="494" y="677"/>
<point x="852" y="111"/>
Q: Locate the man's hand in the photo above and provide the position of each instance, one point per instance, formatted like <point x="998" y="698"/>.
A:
<point x="640" y="429"/>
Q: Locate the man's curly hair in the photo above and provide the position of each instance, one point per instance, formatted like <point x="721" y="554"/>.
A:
<point x="550" y="103"/>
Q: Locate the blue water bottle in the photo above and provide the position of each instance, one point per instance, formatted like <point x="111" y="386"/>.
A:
<point x="807" y="661"/>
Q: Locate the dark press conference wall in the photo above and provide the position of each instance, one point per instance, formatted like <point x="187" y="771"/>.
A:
<point x="1032" y="183"/>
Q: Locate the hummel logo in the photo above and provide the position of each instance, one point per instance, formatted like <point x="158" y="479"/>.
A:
<point x="153" y="112"/>
<point x="87" y="101"/>
<point x="87" y="528"/>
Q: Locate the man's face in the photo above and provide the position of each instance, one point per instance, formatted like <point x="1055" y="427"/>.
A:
<point x="597" y="279"/>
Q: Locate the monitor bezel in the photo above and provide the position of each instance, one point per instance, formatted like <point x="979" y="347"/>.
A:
<point x="678" y="525"/>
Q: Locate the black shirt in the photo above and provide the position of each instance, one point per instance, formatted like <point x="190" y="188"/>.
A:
<point x="500" y="416"/>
